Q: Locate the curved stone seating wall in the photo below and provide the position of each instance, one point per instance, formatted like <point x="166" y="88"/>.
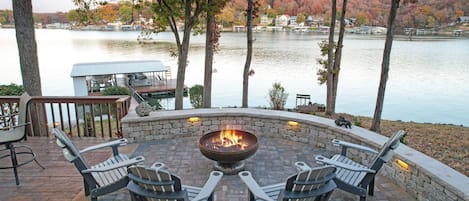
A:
<point x="425" y="178"/>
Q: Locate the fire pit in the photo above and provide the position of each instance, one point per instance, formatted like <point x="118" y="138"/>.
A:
<point x="228" y="148"/>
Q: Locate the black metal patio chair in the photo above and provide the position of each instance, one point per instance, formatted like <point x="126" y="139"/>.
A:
<point x="14" y="131"/>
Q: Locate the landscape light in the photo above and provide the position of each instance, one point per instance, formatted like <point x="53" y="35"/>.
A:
<point x="402" y="164"/>
<point x="194" y="119"/>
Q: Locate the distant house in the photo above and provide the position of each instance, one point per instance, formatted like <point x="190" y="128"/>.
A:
<point x="463" y="19"/>
<point x="282" y="20"/>
<point x="292" y="21"/>
<point x="265" y="20"/>
<point x="314" y="21"/>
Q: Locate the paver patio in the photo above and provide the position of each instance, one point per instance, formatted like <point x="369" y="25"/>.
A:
<point x="272" y="163"/>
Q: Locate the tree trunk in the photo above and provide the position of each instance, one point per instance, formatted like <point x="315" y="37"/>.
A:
<point x="183" y="50"/>
<point x="27" y="48"/>
<point x="330" y="64"/>
<point x="376" y="123"/>
<point x="247" y="65"/>
<point x="210" y="34"/>
<point x="182" y="64"/>
<point x="338" y="56"/>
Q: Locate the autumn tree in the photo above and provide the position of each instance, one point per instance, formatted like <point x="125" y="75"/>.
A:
<point x="251" y="12"/>
<point x="212" y="34"/>
<point x="330" y="65"/>
<point x="125" y="13"/>
<point x="167" y="13"/>
<point x="27" y="50"/>
<point x="107" y="13"/>
<point x="376" y="123"/>
<point x="27" y="47"/>
<point x="74" y="16"/>
<point x="86" y="10"/>
<point x="338" y="56"/>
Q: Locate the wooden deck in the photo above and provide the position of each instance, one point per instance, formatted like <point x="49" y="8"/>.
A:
<point x="158" y="87"/>
<point x="59" y="181"/>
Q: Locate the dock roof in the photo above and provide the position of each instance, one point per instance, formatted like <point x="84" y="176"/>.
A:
<point x="117" y="67"/>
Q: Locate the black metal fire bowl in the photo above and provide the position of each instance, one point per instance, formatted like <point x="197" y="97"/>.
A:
<point x="228" y="160"/>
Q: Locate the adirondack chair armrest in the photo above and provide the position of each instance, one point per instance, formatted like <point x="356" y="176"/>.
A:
<point x="113" y="144"/>
<point x="345" y="145"/>
<point x="302" y="166"/>
<point x="253" y="187"/>
<point x="209" y="186"/>
<point x="325" y="160"/>
<point x="126" y="163"/>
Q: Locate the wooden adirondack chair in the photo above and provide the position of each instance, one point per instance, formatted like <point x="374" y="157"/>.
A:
<point x="105" y="177"/>
<point x="158" y="183"/>
<point x="309" y="184"/>
<point x="357" y="178"/>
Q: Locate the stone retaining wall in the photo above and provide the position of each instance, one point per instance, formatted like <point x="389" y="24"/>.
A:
<point x="425" y="178"/>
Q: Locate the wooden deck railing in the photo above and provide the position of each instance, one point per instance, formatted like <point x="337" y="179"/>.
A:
<point x="77" y="115"/>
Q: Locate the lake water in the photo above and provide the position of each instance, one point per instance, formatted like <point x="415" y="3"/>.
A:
<point x="428" y="79"/>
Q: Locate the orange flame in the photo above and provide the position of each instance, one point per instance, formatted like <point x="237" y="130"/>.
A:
<point x="229" y="138"/>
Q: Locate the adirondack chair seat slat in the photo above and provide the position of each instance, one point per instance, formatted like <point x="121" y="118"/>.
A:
<point x="273" y="187"/>
<point x="106" y="178"/>
<point x="349" y="176"/>
<point x="192" y="191"/>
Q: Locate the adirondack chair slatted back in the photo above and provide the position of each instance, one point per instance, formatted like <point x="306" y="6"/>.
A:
<point x="70" y="151"/>
<point x="316" y="182"/>
<point x="383" y="156"/>
<point x="386" y="152"/>
<point x="157" y="179"/>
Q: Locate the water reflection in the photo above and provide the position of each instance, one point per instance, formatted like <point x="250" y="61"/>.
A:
<point x="426" y="82"/>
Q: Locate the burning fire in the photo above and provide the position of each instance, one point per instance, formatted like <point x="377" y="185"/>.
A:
<point x="229" y="139"/>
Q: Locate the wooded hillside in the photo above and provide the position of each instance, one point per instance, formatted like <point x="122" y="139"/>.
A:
<point x="423" y="14"/>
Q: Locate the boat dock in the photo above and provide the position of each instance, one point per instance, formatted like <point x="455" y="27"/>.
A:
<point x="148" y="78"/>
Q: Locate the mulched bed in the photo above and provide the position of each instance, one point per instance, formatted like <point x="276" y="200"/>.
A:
<point x="444" y="142"/>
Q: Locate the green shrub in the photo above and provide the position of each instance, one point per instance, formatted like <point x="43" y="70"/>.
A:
<point x="196" y="96"/>
<point x="11" y="90"/>
<point x="357" y="122"/>
<point x="278" y="97"/>
<point x="403" y="140"/>
<point x="116" y="90"/>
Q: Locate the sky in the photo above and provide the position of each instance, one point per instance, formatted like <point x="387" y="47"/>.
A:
<point x="43" y="6"/>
